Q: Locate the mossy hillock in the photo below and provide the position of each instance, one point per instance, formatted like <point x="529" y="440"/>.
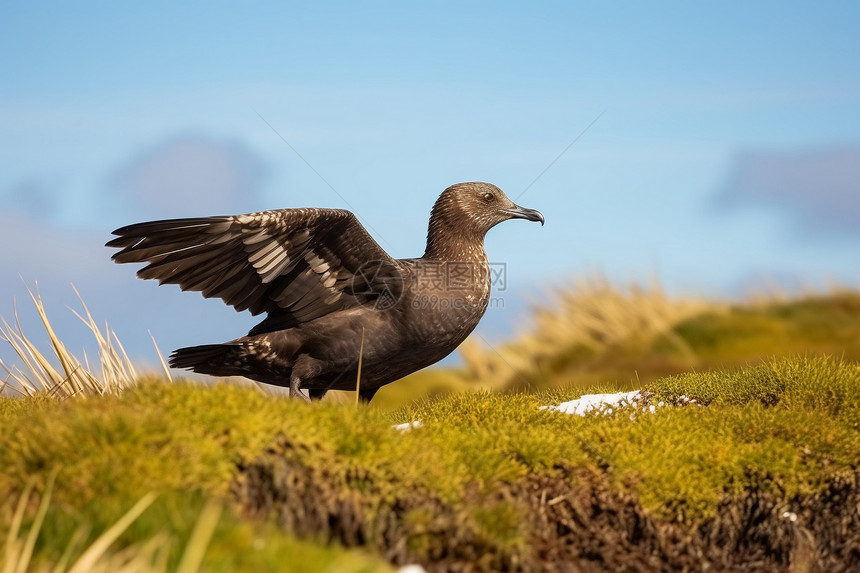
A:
<point x="759" y="466"/>
<point x="752" y="465"/>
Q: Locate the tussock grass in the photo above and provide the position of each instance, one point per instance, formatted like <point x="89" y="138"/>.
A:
<point x="39" y="373"/>
<point x="146" y="557"/>
<point x="154" y="554"/>
<point x="592" y="317"/>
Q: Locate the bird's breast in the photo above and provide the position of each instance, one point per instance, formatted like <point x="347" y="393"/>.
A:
<point x="445" y="300"/>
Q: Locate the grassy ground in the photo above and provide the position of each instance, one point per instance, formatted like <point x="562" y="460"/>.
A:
<point x="181" y="441"/>
<point x="787" y="428"/>
<point x="245" y="481"/>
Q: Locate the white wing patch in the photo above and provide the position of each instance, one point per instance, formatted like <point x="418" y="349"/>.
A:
<point x="272" y="256"/>
<point x="268" y="256"/>
<point x="259" y="236"/>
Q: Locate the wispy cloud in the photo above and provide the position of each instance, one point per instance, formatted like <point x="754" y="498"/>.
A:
<point x="31" y="197"/>
<point x="818" y="188"/>
<point x="188" y="175"/>
<point x="40" y="254"/>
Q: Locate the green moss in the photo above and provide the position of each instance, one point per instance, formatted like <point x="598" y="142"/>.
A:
<point x="180" y="440"/>
<point x="501" y="523"/>
<point x="823" y="384"/>
<point x="787" y="426"/>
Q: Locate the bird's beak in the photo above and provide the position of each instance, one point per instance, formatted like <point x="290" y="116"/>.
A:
<point x="517" y="212"/>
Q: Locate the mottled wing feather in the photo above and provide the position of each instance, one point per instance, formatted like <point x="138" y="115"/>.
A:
<point x="296" y="264"/>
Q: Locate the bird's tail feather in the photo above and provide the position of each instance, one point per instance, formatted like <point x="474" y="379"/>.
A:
<point x="215" y="359"/>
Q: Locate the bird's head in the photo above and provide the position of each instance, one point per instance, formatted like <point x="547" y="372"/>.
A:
<point x="465" y="212"/>
<point x="477" y="207"/>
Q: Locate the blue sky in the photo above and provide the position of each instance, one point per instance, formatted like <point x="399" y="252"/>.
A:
<point x="727" y="153"/>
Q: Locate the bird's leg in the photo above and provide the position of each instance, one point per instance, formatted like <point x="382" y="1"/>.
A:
<point x="316" y="394"/>
<point x="366" y="394"/>
<point x="295" y="388"/>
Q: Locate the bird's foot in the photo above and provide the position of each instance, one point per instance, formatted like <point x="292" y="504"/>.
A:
<point x="295" y="389"/>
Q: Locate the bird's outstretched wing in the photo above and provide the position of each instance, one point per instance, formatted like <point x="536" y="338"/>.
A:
<point x="296" y="264"/>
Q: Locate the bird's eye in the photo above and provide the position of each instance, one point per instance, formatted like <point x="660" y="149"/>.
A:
<point x="489" y="196"/>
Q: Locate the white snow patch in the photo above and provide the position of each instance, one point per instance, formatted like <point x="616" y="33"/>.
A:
<point x="598" y="403"/>
<point x="603" y="403"/>
<point x="405" y="427"/>
<point x="588" y="403"/>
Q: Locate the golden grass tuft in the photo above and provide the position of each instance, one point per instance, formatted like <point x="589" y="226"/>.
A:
<point x="39" y="374"/>
<point x="150" y="556"/>
<point x="591" y="318"/>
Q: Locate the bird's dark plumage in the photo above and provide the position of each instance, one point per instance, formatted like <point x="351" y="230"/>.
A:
<point x="328" y="288"/>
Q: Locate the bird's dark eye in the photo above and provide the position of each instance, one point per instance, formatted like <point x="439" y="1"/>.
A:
<point x="489" y="196"/>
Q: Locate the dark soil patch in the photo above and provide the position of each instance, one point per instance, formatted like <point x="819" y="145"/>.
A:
<point x="563" y="520"/>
